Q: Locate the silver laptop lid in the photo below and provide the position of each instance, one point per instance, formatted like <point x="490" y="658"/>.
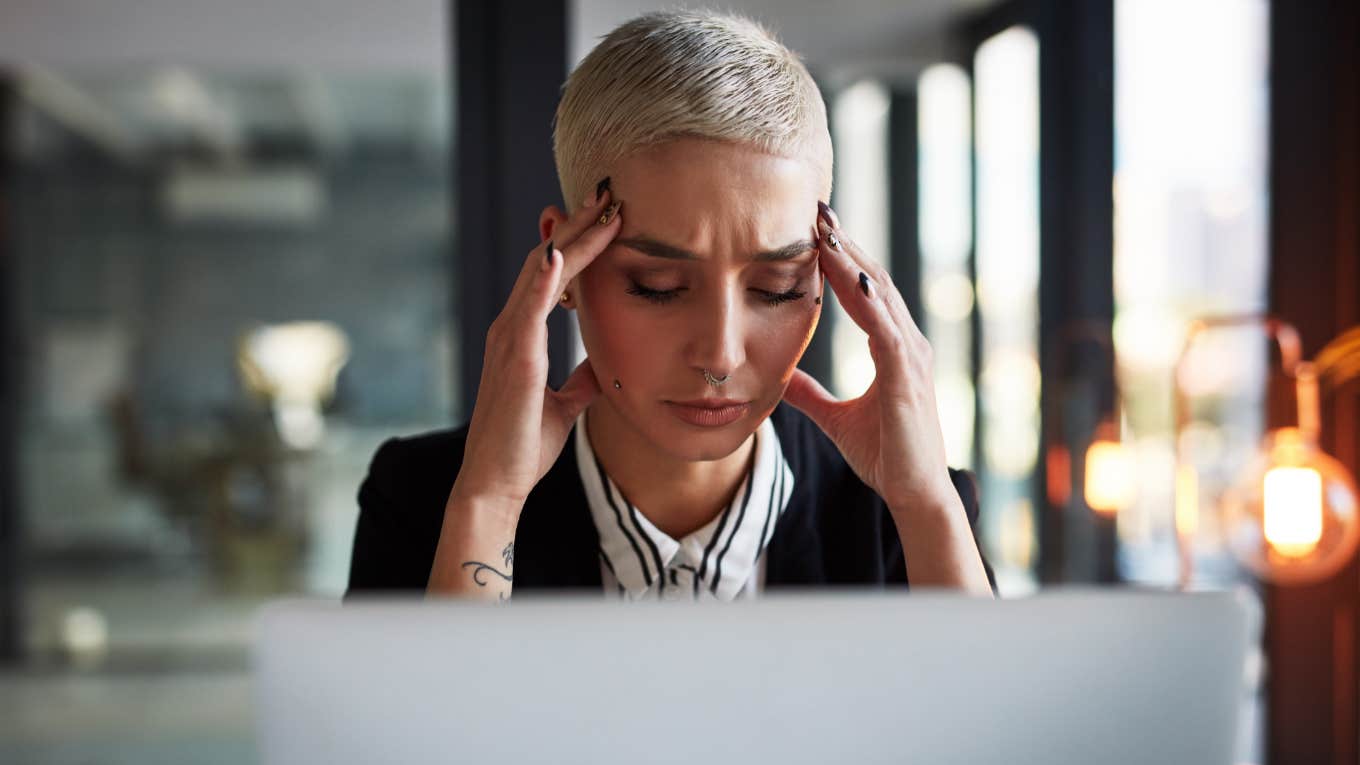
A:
<point x="1062" y="677"/>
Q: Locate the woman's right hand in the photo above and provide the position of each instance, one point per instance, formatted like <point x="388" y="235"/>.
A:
<point x="519" y="424"/>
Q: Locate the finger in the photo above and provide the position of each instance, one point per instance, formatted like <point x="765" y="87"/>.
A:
<point x="808" y="396"/>
<point x="829" y="214"/>
<point x="568" y="402"/>
<point x="593" y="241"/>
<point x="858" y="293"/>
<point x="536" y="294"/>
<point x="543" y="293"/>
<point x="888" y="291"/>
<point x="578" y="391"/>
<point x="563" y="235"/>
<point x="585" y="216"/>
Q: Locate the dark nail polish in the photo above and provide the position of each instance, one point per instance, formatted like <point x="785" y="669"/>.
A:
<point x="547" y="254"/>
<point x="828" y="214"/>
<point x="601" y="188"/>
<point x="608" y="213"/>
<point x="864" y="283"/>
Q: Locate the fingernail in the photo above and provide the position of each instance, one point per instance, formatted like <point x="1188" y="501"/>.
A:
<point x="864" y="283"/>
<point x="830" y="215"/>
<point x="547" y="257"/>
<point x="601" y="188"/>
<point x="608" y="213"/>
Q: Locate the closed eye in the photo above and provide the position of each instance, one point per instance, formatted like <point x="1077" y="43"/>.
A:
<point x="655" y="296"/>
<point x="666" y="296"/>
<point x="776" y="298"/>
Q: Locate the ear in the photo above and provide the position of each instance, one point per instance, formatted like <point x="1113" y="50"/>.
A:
<point x="549" y="220"/>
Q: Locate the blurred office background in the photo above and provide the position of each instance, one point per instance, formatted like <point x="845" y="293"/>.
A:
<point x="241" y="244"/>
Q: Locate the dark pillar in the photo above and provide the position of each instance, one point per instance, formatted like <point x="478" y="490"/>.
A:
<point x="510" y="62"/>
<point x="1311" y="631"/>
<point x="1076" y="252"/>
<point x="11" y="572"/>
<point x="904" y="210"/>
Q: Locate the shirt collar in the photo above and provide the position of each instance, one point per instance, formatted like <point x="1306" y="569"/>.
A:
<point x="718" y="558"/>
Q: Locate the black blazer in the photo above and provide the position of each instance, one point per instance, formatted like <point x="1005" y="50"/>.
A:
<point x="835" y="530"/>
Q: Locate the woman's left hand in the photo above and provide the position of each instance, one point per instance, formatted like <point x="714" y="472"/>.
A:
<point x="890" y="435"/>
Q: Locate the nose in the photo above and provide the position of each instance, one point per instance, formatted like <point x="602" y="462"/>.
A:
<point x="717" y="342"/>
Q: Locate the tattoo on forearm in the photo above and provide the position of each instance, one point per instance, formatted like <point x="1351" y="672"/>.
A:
<point x="508" y="555"/>
<point x="476" y="573"/>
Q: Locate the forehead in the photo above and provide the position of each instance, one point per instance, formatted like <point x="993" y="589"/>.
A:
<point x="711" y="195"/>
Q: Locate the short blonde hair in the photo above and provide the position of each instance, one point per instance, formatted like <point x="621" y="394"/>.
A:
<point x="680" y="74"/>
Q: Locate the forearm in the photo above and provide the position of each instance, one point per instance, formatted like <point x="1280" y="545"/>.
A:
<point x="939" y="548"/>
<point x="475" y="558"/>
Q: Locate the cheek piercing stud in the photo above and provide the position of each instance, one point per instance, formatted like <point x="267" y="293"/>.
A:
<point x="617" y="386"/>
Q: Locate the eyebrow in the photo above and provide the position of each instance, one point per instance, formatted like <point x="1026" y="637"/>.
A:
<point x="657" y="249"/>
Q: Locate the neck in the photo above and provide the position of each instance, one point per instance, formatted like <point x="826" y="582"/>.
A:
<point x="677" y="496"/>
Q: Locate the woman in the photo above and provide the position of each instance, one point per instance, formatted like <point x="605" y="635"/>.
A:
<point x="687" y="456"/>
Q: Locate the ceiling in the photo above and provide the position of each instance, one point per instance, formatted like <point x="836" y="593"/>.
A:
<point x="134" y="75"/>
<point x="411" y="35"/>
<point x="226" y="35"/>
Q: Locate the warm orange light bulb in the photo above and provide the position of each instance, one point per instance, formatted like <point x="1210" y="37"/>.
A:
<point x="1292" y="516"/>
<point x="1109" y="485"/>
<point x="1293" y="510"/>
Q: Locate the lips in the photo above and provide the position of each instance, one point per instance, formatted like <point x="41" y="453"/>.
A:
<point x="709" y="412"/>
<point x="710" y="403"/>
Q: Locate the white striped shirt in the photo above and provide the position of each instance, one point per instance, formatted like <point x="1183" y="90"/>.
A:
<point x="721" y="560"/>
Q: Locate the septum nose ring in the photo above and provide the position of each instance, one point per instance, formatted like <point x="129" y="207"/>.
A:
<point x="715" y="381"/>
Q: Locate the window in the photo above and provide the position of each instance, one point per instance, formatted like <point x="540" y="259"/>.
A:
<point x="1006" y="71"/>
<point x="859" y="118"/>
<point x="1190" y="240"/>
<point x="236" y="285"/>
<point x="944" y="152"/>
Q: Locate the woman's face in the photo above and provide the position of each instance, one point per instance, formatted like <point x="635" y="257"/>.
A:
<point x="714" y="269"/>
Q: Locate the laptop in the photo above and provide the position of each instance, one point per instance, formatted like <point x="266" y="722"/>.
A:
<point x="821" y="676"/>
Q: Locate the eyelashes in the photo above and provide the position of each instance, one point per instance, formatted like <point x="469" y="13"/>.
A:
<point x="665" y="296"/>
<point x="655" y="296"/>
<point x="776" y="298"/>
